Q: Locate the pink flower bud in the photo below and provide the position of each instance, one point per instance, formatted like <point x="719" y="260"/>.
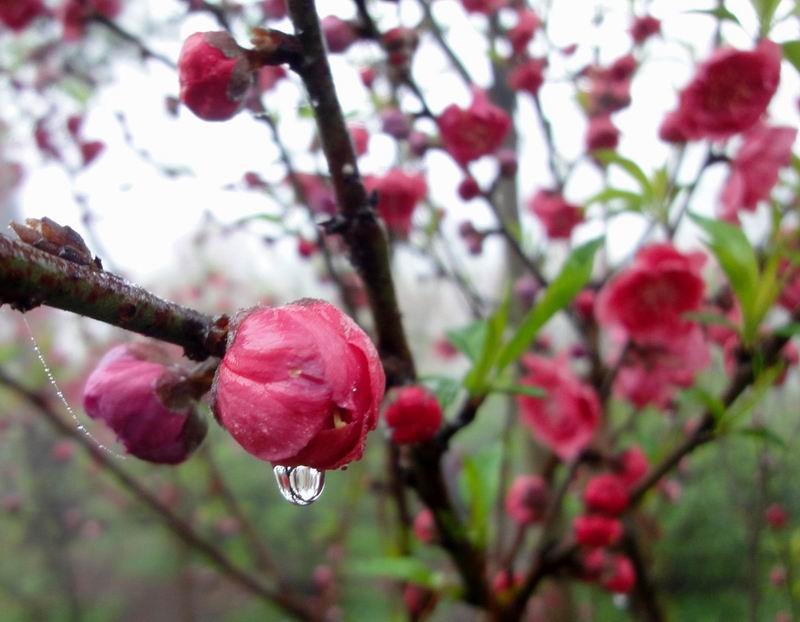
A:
<point x="215" y="75"/>
<point x="418" y="600"/>
<point x="593" y="530"/>
<point x="528" y="76"/>
<point x="18" y="14"/>
<point x="129" y="391"/>
<point x="306" y="248"/>
<point x="468" y="189"/>
<point x="274" y="9"/>
<point x="360" y="138"/>
<point x="471" y="133"/>
<point x="418" y="142"/>
<point x="425" y="527"/>
<point x="90" y="150"/>
<point x="620" y="577"/>
<point x="633" y="465"/>
<point x="601" y="134"/>
<point x="644" y="27"/>
<point x="606" y="494"/>
<point x="414" y="416"/>
<point x="777" y="575"/>
<point x="527" y="499"/>
<point x="299" y="385"/>
<point x="367" y="75"/>
<point x="339" y="35"/>
<point x="505" y="581"/>
<point x="400" y="45"/>
<point x="776" y="516"/>
<point x="395" y="124"/>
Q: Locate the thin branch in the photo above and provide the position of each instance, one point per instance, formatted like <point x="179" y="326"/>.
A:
<point x="30" y="277"/>
<point x="437" y="33"/>
<point x="123" y="34"/>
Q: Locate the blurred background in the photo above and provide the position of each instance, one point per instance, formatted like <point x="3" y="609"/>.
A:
<point x="167" y="204"/>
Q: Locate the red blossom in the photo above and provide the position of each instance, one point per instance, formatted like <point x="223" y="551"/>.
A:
<point x="527" y="498"/>
<point x="594" y="530"/>
<point x="522" y="33"/>
<point x="425" y="527"/>
<point x="632" y="465"/>
<point x="486" y="7"/>
<point x="413" y="416"/>
<point x="644" y="27"/>
<point x="601" y="134"/>
<point x="606" y="494"/>
<point x="565" y="420"/>
<point x="398" y="195"/>
<point x="730" y="92"/>
<point x="776" y="516"/>
<point x="528" y="76"/>
<point x="215" y="75"/>
<point x="471" y="133"/>
<point x="620" y="577"/>
<point x="558" y="216"/>
<point x="652" y="372"/>
<point x="299" y="385"/>
<point x="360" y="137"/>
<point x="647" y="301"/>
<point x="90" y="150"/>
<point x="754" y="171"/>
<point x="339" y="34"/>
<point x="19" y="14"/>
<point x="129" y="391"/>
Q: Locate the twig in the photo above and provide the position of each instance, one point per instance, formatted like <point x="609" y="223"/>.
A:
<point x="119" y="31"/>
<point x="30" y="277"/>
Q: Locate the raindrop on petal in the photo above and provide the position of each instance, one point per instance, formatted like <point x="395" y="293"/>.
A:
<point x="300" y="485"/>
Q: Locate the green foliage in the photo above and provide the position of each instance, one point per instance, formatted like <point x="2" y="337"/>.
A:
<point x="791" y="52"/>
<point x="400" y="568"/>
<point x="574" y="275"/>
<point x="480" y="478"/>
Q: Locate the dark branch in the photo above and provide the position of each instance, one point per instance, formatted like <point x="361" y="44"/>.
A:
<point x="30" y="277"/>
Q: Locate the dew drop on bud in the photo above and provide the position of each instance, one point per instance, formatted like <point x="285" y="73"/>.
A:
<point x="300" y="485"/>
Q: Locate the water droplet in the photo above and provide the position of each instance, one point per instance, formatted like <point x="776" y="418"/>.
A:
<point x="300" y="485"/>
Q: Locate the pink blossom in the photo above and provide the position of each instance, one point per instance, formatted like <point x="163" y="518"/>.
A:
<point x="413" y="416"/>
<point x="470" y="133"/>
<point x="398" y="195"/>
<point x="565" y="420"/>
<point x="558" y="216"/>
<point x="299" y="385"/>
<point x="527" y="499"/>
<point x="647" y="301"/>
<point x="754" y="171"/>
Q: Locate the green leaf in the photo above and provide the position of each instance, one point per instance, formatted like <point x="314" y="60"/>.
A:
<point x="632" y="200"/>
<point x="791" y="52"/>
<point x="446" y="389"/>
<point x="479" y="483"/>
<point x="721" y="13"/>
<point x="789" y="330"/>
<point x="518" y="389"/>
<point x="476" y="378"/>
<point x="276" y="218"/>
<point x="574" y="275"/>
<point x="737" y="258"/>
<point x="762" y="434"/>
<point x="710" y="319"/>
<point x="629" y="166"/>
<point x="766" y="12"/>
<point x="400" y="568"/>
<point x="744" y="405"/>
<point x="713" y="404"/>
<point x="469" y="339"/>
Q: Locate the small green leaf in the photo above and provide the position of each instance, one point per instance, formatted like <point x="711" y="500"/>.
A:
<point x="744" y="405"/>
<point x="629" y="166"/>
<point x="476" y="378"/>
<point x="762" y="434"/>
<point x="766" y="13"/>
<point x="710" y="319"/>
<point x="574" y="275"/>
<point x="789" y="330"/>
<point x="469" y="339"/>
<point x="446" y="389"/>
<point x="631" y="200"/>
<point x="518" y="389"/>
<point x="713" y="404"/>
<point x="791" y="52"/>
<point x="400" y="568"/>
<point x="721" y="13"/>
<point x="479" y="483"/>
<point x="737" y="258"/>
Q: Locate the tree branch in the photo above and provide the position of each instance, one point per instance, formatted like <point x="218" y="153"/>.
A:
<point x="30" y="277"/>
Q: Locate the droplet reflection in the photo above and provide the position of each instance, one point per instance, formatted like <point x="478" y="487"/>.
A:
<point x="299" y="485"/>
